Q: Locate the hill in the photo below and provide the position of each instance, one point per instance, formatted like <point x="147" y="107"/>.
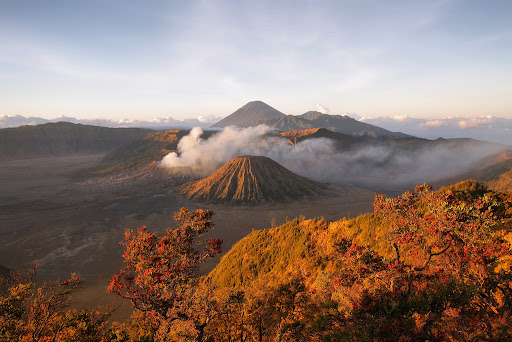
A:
<point x="341" y="140"/>
<point x="345" y="124"/>
<point x="252" y="114"/>
<point x="309" y="248"/>
<point x="146" y="151"/>
<point x="258" y="113"/>
<point x="495" y="170"/>
<point x="63" y="138"/>
<point x="251" y="180"/>
<point x="154" y="146"/>
<point x="286" y="123"/>
<point x="4" y="272"/>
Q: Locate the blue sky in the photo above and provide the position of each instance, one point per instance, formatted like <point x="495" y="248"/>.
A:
<point x="144" y="59"/>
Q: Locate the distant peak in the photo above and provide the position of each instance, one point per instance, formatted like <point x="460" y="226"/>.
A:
<point x="256" y="104"/>
<point x="251" y="114"/>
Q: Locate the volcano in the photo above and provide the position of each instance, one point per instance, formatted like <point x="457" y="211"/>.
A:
<point x="252" y="114"/>
<point x="251" y="180"/>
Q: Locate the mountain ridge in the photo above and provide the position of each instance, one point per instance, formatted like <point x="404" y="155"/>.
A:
<point x="257" y="113"/>
<point x="63" y="138"/>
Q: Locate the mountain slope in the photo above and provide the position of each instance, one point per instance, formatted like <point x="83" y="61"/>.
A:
<point x="151" y="148"/>
<point x="287" y="123"/>
<point x="310" y="248"/>
<point x="63" y="138"/>
<point x="341" y="140"/>
<point x="345" y="124"/>
<point x="251" y="180"/>
<point x="495" y="170"/>
<point x="503" y="182"/>
<point x="258" y="113"/>
<point x="252" y="114"/>
<point x="305" y="248"/>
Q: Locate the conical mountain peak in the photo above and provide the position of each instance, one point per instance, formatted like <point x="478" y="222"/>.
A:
<point x="251" y="180"/>
<point x="251" y="114"/>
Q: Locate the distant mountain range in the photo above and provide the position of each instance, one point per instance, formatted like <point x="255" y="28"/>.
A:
<point x="354" y="156"/>
<point x="488" y="128"/>
<point x="9" y="121"/>
<point x="259" y="113"/>
<point x="485" y="127"/>
<point x="63" y="138"/>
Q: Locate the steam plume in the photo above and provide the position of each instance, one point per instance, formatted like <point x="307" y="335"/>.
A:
<point x="322" y="109"/>
<point x="320" y="159"/>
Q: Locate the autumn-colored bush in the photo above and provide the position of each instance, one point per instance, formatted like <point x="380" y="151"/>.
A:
<point x="421" y="267"/>
<point x="31" y="312"/>
<point x="160" y="274"/>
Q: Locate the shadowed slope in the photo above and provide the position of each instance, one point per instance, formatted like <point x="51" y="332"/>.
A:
<point x="251" y="180"/>
<point x="152" y="147"/>
<point x="257" y="113"/>
<point x="346" y="125"/>
<point x="495" y="170"/>
<point x="63" y="139"/>
<point x="342" y="140"/>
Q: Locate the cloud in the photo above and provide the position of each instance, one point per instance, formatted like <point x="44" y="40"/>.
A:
<point x="434" y="123"/>
<point x="488" y="128"/>
<point x="7" y="121"/>
<point x="465" y="124"/>
<point x="401" y="117"/>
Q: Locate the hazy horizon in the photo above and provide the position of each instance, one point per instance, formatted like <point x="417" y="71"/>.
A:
<point x="132" y="60"/>
<point x="487" y="128"/>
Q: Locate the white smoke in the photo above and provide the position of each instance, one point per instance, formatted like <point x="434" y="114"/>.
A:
<point x="322" y="109"/>
<point x="204" y="156"/>
<point x="321" y="159"/>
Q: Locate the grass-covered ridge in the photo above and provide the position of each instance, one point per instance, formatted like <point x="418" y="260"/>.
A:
<point x="305" y="247"/>
<point x="300" y="247"/>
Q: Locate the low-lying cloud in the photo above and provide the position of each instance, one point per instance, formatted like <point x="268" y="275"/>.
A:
<point x="487" y="128"/>
<point x="434" y="123"/>
<point x="473" y="123"/>
<point x="322" y="160"/>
